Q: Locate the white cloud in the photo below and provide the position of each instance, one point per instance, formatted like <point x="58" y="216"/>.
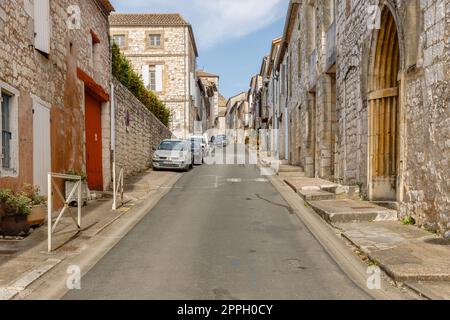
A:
<point x="214" y="21"/>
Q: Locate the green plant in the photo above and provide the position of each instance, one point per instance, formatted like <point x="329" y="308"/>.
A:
<point x="124" y="73"/>
<point x="33" y="193"/>
<point x="15" y="204"/>
<point x="408" y="221"/>
<point x="77" y="173"/>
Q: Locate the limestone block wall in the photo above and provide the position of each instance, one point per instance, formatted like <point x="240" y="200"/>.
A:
<point x="424" y="30"/>
<point x="329" y="129"/>
<point x="178" y="58"/>
<point x="53" y="78"/>
<point x="137" y="132"/>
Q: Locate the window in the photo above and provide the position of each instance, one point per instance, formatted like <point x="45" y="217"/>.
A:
<point x="120" y="40"/>
<point x="152" y="78"/>
<point x="154" y="40"/>
<point x="93" y="44"/>
<point x="6" y="131"/>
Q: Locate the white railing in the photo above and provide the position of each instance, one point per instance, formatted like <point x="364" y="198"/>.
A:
<point x="76" y="188"/>
<point x="117" y="187"/>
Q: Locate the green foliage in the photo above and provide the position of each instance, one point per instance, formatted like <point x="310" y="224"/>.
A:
<point x="123" y="71"/>
<point x="77" y="173"/>
<point x="408" y="221"/>
<point x="33" y="193"/>
<point x="15" y="203"/>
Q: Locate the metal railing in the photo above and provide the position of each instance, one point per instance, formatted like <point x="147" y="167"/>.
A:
<point x="76" y="188"/>
<point x="117" y="187"/>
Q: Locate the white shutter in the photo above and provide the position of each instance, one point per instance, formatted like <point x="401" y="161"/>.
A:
<point x="41" y="146"/>
<point x="159" y="77"/>
<point x="42" y="25"/>
<point x="146" y="74"/>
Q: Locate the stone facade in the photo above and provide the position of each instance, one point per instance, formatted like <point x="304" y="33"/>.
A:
<point x="137" y="132"/>
<point x="208" y="104"/>
<point x="176" y="55"/>
<point x="77" y="59"/>
<point x="352" y="116"/>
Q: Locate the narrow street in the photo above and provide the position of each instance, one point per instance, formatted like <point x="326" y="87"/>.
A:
<point x="223" y="232"/>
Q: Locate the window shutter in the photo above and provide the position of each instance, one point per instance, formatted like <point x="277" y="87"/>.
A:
<point x="159" y="78"/>
<point x="146" y="74"/>
<point x="42" y="25"/>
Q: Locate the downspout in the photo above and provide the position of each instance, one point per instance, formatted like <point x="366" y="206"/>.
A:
<point x="186" y="86"/>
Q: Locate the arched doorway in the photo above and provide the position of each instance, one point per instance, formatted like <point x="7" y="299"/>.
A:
<point x="383" y="96"/>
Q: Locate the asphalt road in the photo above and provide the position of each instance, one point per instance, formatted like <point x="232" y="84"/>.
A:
<point x="223" y="232"/>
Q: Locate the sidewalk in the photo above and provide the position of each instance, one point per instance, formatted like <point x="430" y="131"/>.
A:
<point x="22" y="262"/>
<point x="411" y="256"/>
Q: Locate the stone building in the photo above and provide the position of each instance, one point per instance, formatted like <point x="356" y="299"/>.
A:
<point x="221" y="123"/>
<point x="162" y="48"/>
<point x="365" y="89"/>
<point x="55" y="74"/>
<point x="237" y="116"/>
<point x="208" y="106"/>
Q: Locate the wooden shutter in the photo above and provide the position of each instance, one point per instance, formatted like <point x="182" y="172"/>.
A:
<point x="159" y="78"/>
<point x="42" y="25"/>
<point x="146" y="74"/>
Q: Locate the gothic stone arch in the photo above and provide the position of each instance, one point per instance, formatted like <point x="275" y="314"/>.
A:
<point x="384" y="105"/>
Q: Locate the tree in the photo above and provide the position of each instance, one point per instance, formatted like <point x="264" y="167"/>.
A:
<point x="124" y="73"/>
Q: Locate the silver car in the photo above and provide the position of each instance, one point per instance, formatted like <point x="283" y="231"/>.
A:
<point x="173" y="154"/>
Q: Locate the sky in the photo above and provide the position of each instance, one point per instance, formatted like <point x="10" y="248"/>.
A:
<point x="232" y="36"/>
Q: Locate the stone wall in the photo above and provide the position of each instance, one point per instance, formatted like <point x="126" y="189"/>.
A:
<point x="176" y="45"/>
<point x="137" y="132"/>
<point x="53" y="79"/>
<point x="329" y="116"/>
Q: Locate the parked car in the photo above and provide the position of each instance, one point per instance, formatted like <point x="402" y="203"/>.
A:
<point x="220" y="140"/>
<point x="173" y="154"/>
<point x="197" y="152"/>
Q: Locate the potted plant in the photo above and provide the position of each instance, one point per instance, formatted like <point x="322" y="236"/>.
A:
<point x="39" y="207"/>
<point x="16" y="208"/>
<point x="69" y="184"/>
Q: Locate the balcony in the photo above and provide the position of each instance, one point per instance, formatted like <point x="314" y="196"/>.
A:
<point x="330" y="54"/>
<point x="312" y="70"/>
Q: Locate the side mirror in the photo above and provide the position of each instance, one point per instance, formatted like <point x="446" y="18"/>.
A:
<point x="153" y="148"/>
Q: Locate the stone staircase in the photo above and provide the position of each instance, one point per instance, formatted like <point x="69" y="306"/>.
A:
<point x="337" y="203"/>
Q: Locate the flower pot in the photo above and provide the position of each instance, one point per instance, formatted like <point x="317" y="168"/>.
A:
<point x="85" y="193"/>
<point x="14" y="225"/>
<point x="37" y="216"/>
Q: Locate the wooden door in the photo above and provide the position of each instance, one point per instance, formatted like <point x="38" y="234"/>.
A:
<point x="383" y="111"/>
<point x="41" y="146"/>
<point x="93" y="125"/>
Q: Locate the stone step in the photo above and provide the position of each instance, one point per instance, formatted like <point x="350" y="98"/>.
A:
<point x="346" y="210"/>
<point x="289" y="168"/>
<point x="393" y="205"/>
<point x="316" y="195"/>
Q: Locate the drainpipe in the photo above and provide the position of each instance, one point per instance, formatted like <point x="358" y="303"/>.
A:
<point x="113" y="143"/>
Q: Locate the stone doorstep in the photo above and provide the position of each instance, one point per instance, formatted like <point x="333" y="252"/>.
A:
<point x="432" y="290"/>
<point x="316" y="195"/>
<point x="336" y="211"/>
<point x="405" y="253"/>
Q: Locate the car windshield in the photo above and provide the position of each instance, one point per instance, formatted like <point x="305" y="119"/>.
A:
<point x="171" y="145"/>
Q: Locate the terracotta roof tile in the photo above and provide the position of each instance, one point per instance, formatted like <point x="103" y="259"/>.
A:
<point x="149" y="19"/>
